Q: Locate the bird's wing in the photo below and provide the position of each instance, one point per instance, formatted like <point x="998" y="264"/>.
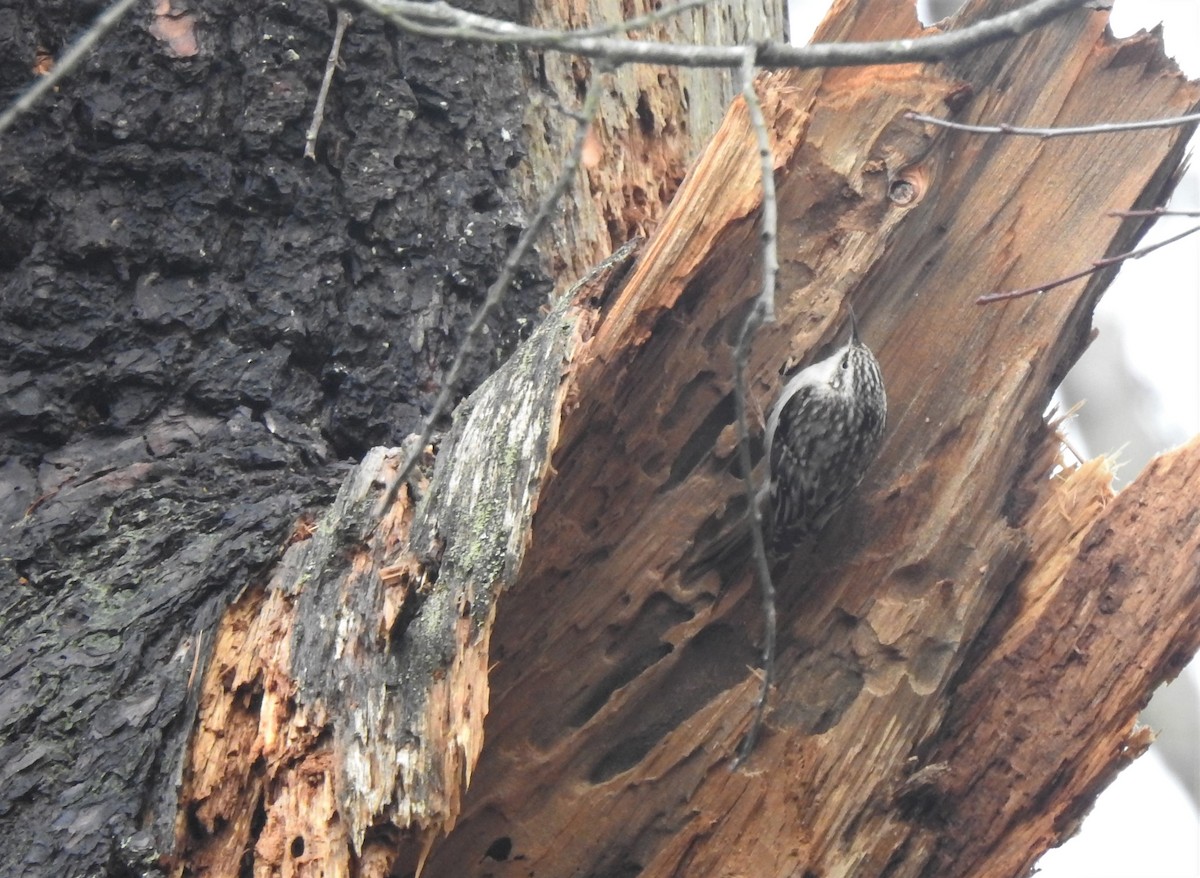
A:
<point x="791" y="452"/>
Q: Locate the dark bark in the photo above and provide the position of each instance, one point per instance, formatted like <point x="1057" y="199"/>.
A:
<point x="199" y="329"/>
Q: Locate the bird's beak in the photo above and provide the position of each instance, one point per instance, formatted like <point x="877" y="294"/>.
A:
<point x="853" y="328"/>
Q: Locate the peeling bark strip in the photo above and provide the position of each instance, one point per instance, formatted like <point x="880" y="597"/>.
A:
<point x="401" y="664"/>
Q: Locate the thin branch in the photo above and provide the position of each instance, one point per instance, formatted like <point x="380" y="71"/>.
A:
<point x="310" y="139"/>
<point x="1100" y="128"/>
<point x="1095" y="266"/>
<point x="441" y="20"/>
<point x="68" y="62"/>
<point x="1153" y="212"/>
<point x="641" y="21"/>
<point x="762" y="312"/>
<point x="496" y="293"/>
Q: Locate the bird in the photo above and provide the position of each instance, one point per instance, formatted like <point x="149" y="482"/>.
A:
<point x="823" y="431"/>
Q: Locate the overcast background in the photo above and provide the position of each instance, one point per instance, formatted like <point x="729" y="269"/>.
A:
<point x="1140" y="383"/>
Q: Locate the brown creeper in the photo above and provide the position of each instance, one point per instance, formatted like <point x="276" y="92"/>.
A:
<point x="822" y="432"/>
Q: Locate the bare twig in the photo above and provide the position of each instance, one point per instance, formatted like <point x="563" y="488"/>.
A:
<point x="1095" y="266"/>
<point x="762" y="312"/>
<point x="440" y="19"/>
<point x="68" y="62"/>
<point x="1152" y="212"/>
<point x="497" y="291"/>
<point x="310" y="139"/>
<point x="1100" y="128"/>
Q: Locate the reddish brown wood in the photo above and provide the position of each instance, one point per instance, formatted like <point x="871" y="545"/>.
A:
<point x="615" y="693"/>
<point x="619" y="693"/>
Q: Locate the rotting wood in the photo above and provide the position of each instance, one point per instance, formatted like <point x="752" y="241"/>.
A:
<point x="614" y="694"/>
<point x="262" y="773"/>
<point x="1107" y="601"/>
<point x="649" y="128"/>
<point x="378" y="660"/>
<point x="618" y="695"/>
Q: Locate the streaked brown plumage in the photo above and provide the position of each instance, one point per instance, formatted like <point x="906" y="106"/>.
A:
<point x="822" y="433"/>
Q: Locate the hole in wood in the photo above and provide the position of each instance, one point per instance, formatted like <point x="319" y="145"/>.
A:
<point x="902" y="192"/>
<point x="628" y="670"/>
<point x="500" y="849"/>
<point x="700" y="444"/>
<point x="715" y="660"/>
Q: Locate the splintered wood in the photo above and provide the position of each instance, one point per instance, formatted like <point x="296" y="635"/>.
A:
<point x="620" y="693"/>
<point x="528" y="686"/>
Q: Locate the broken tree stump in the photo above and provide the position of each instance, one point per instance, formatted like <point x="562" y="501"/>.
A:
<point x="505" y="674"/>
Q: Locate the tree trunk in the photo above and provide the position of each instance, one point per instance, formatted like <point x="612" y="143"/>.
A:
<point x="963" y="656"/>
<point x="505" y="673"/>
<point x="202" y="330"/>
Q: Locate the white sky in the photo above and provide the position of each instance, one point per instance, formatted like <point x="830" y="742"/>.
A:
<point x="1157" y="299"/>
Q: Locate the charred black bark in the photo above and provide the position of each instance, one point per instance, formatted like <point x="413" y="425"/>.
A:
<point x="198" y="329"/>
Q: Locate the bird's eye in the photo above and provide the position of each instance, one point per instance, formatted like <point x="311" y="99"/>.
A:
<point x="846" y="362"/>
